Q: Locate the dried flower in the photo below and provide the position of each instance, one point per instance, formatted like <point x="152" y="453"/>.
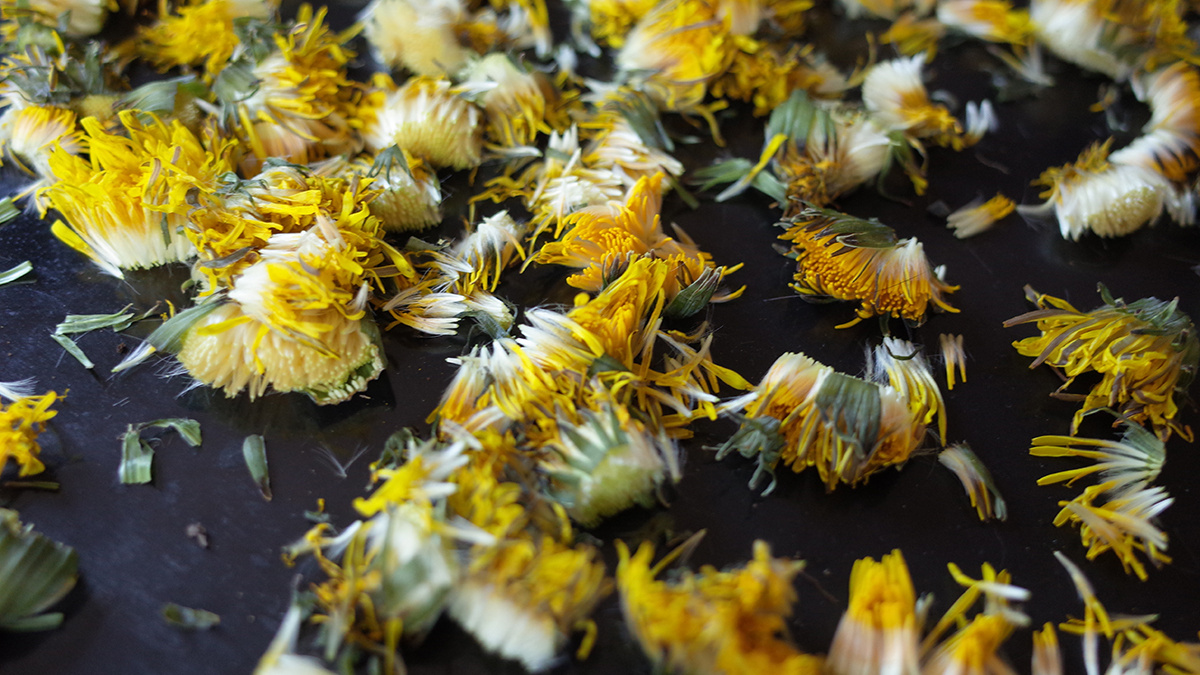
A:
<point x="428" y="118"/>
<point x="20" y="423"/>
<point x="880" y="631"/>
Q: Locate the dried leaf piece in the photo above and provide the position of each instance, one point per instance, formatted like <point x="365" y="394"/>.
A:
<point x="255" y="452"/>
<point x="188" y="618"/>
<point x="136" y="458"/>
<point x="35" y="573"/>
<point x="11" y="275"/>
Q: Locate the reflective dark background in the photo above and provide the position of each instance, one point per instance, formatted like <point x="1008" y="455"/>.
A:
<point x="135" y="554"/>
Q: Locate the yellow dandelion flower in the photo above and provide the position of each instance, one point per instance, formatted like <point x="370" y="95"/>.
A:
<point x="611" y="20"/>
<point x="197" y="33"/>
<point x="880" y="630"/>
<point x="1146" y="352"/>
<point x="1107" y="198"/>
<point x="409" y="195"/>
<point x="902" y="365"/>
<point x="126" y="206"/>
<point x="1143" y="647"/>
<point x="676" y="50"/>
<point x="30" y="133"/>
<point x="519" y="105"/>
<point x="974" y="647"/>
<point x="976" y="480"/>
<point x="526" y="23"/>
<point x="420" y="36"/>
<point x="1129" y="464"/>
<point x="618" y="144"/>
<point x="846" y="258"/>
<point x="713" y="621"/>
<point x="1076" y="31"/>
<point x="954" y="357"/>
<point x="1170" y="141"/>
<point x="991" y="20"/>
<point x="523" y="596"/>
<point x="301" y="105"/>
<point x="979" y="216"/>
<point x="897" y="100"/>
<point x="1123" y="523"/>
<point x="805" y="414"/>
<point x="291" y="325"/>
<point x="428" y="118"/>
<point x="831" y="159"/>
<point x="598" y="236"/>
<point x="20" y="423"/>
<point x="765" y="75"/>
<point x="607" y="462"/>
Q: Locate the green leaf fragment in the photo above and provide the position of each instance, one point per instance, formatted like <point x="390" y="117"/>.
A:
<point x="11" y="275"/>
<point x="189" y="618"/>
<point x="188" y="429"/>
<point x="8" y="210"/>
<point x="168" y="337"/>
<point x="136" y="458"/>
<point x="84" y="323"/>
<point x="73" y="349"/>
<point x="255" y="452"/>
<point x="35" y="573"/>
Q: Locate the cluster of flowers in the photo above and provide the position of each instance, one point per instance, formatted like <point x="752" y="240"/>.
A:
<point x="1146" y="353"/>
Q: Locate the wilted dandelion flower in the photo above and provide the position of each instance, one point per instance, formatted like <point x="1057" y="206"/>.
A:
<point x="895" y="96"/>
<point x="198" y="33"/>
<point x="846" y="258"/>
<point x="1170" y="141"/>
<point x="1105" y="197"/>
<point x="82" y="18"/>
<point x="616" y="146"/>
<point x="1146" y="352"/>
<point x="20" y="423"/>
<point x="880" y="631"/>
<point x="611" y="20"/>
<point x="1120" y="522"/>
<point x="427" y="117"/>
<point x="296" y="103"/>
<point x="713" y="621"/>
<point x="903" y="366"/>
<point x="294" y="321"/>
<point x="1129" y="464"/>
<point x="990" y="20"/>
<point x="805" y="414"/>
<point x="675" y="51"/>
<point x="30" y="133"/>
<point x="408" y="194"/>
<point x="979" y="216"/>
<point x="1076" y="31"/>
<point x="974" y="647"/>
<point x="420" y="36"/>
<point x="126" y="206"/>
<point x="520" y="105"/>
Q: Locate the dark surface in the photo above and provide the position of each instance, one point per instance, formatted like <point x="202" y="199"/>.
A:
<point x="135" y="555"/>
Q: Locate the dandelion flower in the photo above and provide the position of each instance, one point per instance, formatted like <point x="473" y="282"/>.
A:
<point x="1122" y="523"/>
<point x="1129" y="464"/>
<point x="713" y="621"/>
<point x="879" y="633"/>
<point x="897" y="100"/>
<point x="408" y="194"/>
<point x="126" y="206"/>
<point x="979" y="216"/>
<point x="1170" y="141"/>
<point x="20" y="423"/>
<point x="31" y="133"/>
<point x="519" y="105"/>
<point x="1107" y="198"/>
<point x="1146" y="353"/>
<point x="198" y="33"/>
<point x="990" y="20"/>
<point x="294" y="322"/>
<point x="430" y="119"/>
<point x="611" y="20"/>
<point x="421" y="37"/>
<point x="82" y="18"/>
<point x="677" y="49"/>
<point x="846" y="258"/>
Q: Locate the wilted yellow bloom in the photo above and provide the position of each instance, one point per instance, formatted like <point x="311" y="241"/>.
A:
<point x="713" y="621"/>
<point x="519" y="104"/>
<point x="895" y="95"/>
<point x="676" y="50"/>
<point x="294" y="322"/>
<point x="1170" y="141"/>
<point x="20" y="423"/>
<point x="991" y="20"/>
<point x="611" y="20"/>
<point x="197" y="33"/>
<point x="302" y="107"/>
<point x="30" y="133"/>
<point x="1121" y="522"/>
<point x="806" y="414"/>
<point x="83" y="17"/>
<point x="420" y="36"/>
<point x="1105" y="197"/>
<point x="408" y="194"/>
<point x="846" y="258"/>
<point x="598" y="236"/>
<point x="126" y="205"/>
<point x="428" y="118"/>
<point x="880" y="631"/>
<point x="1146" y="352"/>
